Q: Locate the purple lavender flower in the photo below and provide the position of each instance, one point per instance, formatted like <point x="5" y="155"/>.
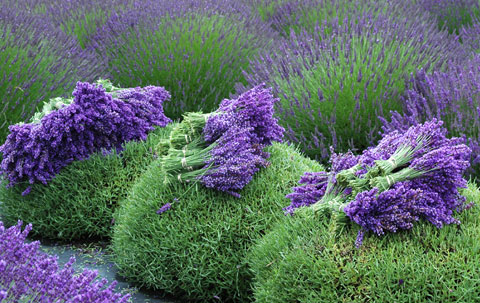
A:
<point x="255" y="109"/>
<point x="471" y="36"/>
<point x="93" y="122"/>
<point x="239" y="130"/>
<point x="25" y="271"/>
<point x="39" y="62"/>
<point x="315" y="184"/>
<point x="164" y="208"/>
<point x="312" y="190"/>
<point x="424" y="184"/>
<point x="233" y="161"/>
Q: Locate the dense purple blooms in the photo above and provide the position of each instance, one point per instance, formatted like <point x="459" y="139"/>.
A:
<point x="312" y="190"/>
<point x="164" y="208"/>
<point x="315" y="183"/>
<point x="471" y="36"/>
<point x="252" y="109"/>
<point x="394" y="209"/>
<point x="394" y="139"/>
<point x="452" y="96"/>
<point x="94" y="121"/>
<point x="240" y="129"/>
<point x="224" y="149"/>
<point x="233" y="161"/>
<point x="26" y="272"/>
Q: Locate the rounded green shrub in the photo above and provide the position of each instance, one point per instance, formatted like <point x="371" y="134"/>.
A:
<point x="79" y="202"/>
<point x="303" y="260"/>
<point x="195" y="250"/>
<point x="286" y="16"/>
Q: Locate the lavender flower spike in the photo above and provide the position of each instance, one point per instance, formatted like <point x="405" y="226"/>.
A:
<point x="164" y="208"/>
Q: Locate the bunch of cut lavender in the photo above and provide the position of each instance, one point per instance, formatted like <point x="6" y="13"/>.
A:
<point x="223" y="149"/>
<point x="28" y="274"/>
<point x="92" y="121"/>
<point x="404" y="178"/>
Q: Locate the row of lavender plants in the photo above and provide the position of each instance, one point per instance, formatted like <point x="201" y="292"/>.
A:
<point x="336" y="65"/>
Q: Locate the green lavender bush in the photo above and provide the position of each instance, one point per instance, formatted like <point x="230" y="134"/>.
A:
<point x="38" y="62"/>
<point x="452" y="15"/>
<point x="196" y="50"/>
<point x="335" y="82"/>
<point x="302" y="260"/>
<point x="80" y="201"/>
<point x="82" y="18"/>
<point x="195" y="250"/>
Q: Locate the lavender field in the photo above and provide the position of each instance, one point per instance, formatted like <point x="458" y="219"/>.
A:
<point x="239" y="151"/>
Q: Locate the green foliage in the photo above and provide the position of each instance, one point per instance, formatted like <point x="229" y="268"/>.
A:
<point x="79" y="202"/>
<point x="84" y="25"/>
<point x="267" y="8"/>
<point x="335" y="84"/>
<point x="197" y="58"/>
<point x="457" y="17"/>
<point x="195" y="250"/>
<point x="303" y="260"/>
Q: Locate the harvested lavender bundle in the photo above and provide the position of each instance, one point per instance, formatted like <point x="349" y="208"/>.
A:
<point x="223" y="149"/>
<point x="315" y="184"/>
<point x="404" y="178"/>
<point x="72" y="129"/>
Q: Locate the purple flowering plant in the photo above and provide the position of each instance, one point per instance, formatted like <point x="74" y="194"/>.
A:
<point x="195" y="49"/>
<point x="337" y="75"/>
<point x="28" y="274"/>
<point x="452" y="15"/>
<point x="471" y="36"/>
<point x="38" y="61"/>
<point x="408" y="176"/>
<point x="452" y="96"/>
<point x="223" y="149"/>
<point x="71" y="130"/>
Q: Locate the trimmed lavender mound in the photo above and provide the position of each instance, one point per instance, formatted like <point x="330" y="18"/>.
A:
<point x="190" y="241"/>
<point x="302" y="260"/>
<point x="66" y="171"/>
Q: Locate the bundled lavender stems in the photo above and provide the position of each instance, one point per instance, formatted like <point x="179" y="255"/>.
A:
<point x="71" y="130"/>
<point x="224" y="149"/>
<point x="28" y="274"/>
<point x="406" y="177"/>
